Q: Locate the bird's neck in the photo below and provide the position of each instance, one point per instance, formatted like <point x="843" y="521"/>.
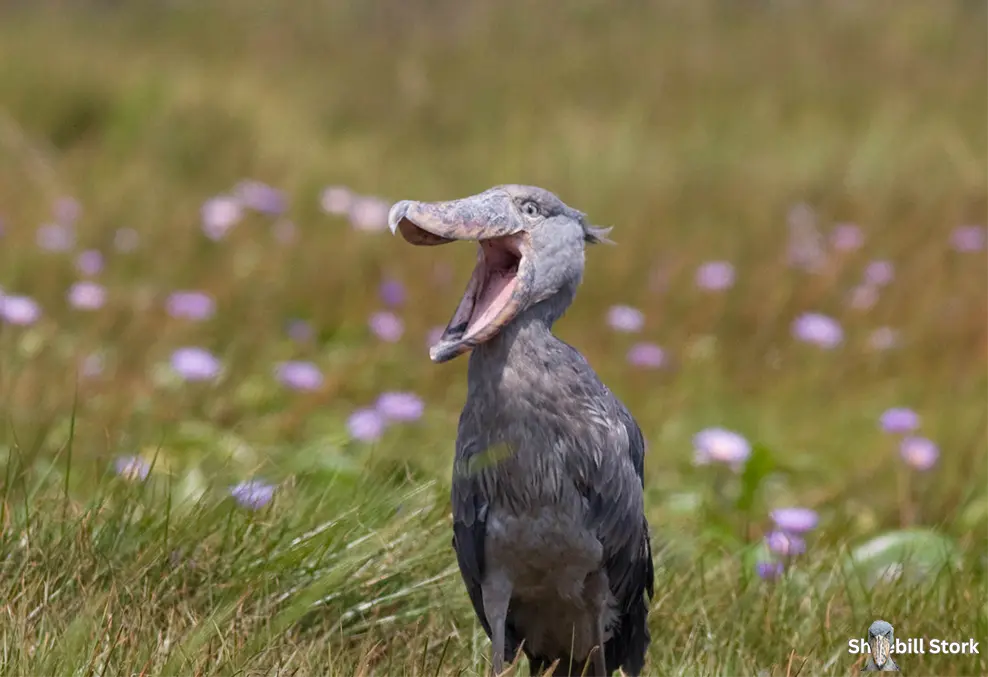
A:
<point x="520" y="343"/>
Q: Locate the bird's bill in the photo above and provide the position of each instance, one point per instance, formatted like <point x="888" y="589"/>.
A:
<point x="501" y="279"/>
<point x="881" y="647"/>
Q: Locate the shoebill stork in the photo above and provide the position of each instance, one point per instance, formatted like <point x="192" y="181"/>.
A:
<point x="548" y="523"/>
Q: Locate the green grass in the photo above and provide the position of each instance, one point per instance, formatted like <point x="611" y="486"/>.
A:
<point x="693" y="128"/>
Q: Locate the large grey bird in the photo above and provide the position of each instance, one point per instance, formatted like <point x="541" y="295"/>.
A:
<point x="881" y="638"/>
<point x="548" y="523"/>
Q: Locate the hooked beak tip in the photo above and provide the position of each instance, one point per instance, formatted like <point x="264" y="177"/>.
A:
<point x="397" y="213"/>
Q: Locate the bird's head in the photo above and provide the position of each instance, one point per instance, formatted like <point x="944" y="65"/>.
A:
<point x="530" y="249"/>
<point x="880" y="639"/>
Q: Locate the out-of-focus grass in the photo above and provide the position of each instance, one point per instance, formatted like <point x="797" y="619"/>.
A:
<point x="694" y="128"/>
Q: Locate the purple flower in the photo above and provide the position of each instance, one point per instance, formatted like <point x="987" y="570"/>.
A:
<point x="769" y="569"/>
<point x="336" y="200"/>
<point x="92" y="366"/>
<point x="284" y="231"/>
<point x="646" y="355"/>
<point x="300" y="331"/>
<point x="366" y="425"/>
<point x="261" y="197"/>
<point x="56" y="237"/>
<point x="879" y="273"/>
<point x="434" y="335"/>
<point x="87" y="296"/>
<point x="968" y="239"/>
<point x="369" y="214"/>
<point x="392" y="292"/>
<point x="219" y="215"/>
<point x="190" y="305"/>
<point x="795" y="520"/>
<point x="387" y="326"/>
<point x="67" y="210"/>
<point x="715" y="276"/>
<point x="863" y="297"/>
<point x="625" y="319"/>
<point x="785" y="544"/>
<point x="846" y="237"/>
<point x="899" y="420"/>
<point x="818" y="329"/>
<point x="195" y="364"/>
<point x="919" y="452"/>
<point x="299" y="375"/>
<point x="717" y="445"/>
<point x="400" y="407"/>
<point x="126" y="240"/>
<point x="252" y="494"/>
<point x="89" y="263"/>
<point x="19" y="310"/>
<point x="883" y="338"/>
<point x="132" y="468"/>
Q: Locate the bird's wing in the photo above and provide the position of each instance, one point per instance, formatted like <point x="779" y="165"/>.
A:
<point x="469" y="530"/>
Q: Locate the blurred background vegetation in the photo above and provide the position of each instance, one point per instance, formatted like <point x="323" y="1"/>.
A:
<point x="700" y="130"/>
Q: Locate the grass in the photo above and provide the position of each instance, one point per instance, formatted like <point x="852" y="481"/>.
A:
<point x="694" y="128"/>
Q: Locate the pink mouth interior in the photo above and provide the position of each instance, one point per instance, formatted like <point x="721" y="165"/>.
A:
<point x="495" y="279"/>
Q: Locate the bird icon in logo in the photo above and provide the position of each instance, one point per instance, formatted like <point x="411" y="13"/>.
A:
<point x="881" y="639"/>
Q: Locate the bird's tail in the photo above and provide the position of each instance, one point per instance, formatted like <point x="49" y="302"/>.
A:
<point x="627" y="647"/>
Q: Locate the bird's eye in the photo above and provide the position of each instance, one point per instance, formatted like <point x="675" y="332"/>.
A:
<point x="530" y="209"/>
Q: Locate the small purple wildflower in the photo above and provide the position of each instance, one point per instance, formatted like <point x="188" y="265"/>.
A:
<point x="56" y="237"/>
<point x="879" y="273"/>
<point x="717" y="445"/>
<point x="646" y="355"/>
<point x="392" y="292"/>
<point x="300" y="331"/>
<point x="261" y="197"/>
<point x="132" y="468"/>
<point x="434" y="336"/>
<point x="387" y="326"/>
<point x="785" y="544"/>
<point x="899" y="420"/>
<point x="219" y="215"/>
<point x="863" y="297"/>
<point x="919" y="453"/>
<point x="67" y="210"/>
<point x="625" y="319"/>
<point x="847" y="237"/>
<point x="795" y="520"/>
<point x="195" y="364"/>
<point x="252" y="494"/>
<point x="284" y="231"/>
<point x="336" y="200"/>
<point x="299" y="375"/>
<point x="883" y="338"/>
<point x="89" y="263"/>
<point x="190" y="305"/>
<point x="19" y="310"/>
<point x="968" y="239"/>
<point x="715" y="276"/>
<point x="818" y="329"/>
<point x="366" y="425"/>
<point x="769" y="569"/>
<point x="126" y="240"/>
<point x="400" y="407"/>
<point x="369" y="214"/>
<point x="87" y="296"/>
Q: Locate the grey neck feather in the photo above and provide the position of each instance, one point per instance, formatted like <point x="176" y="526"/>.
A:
<point x="519" y="342"/>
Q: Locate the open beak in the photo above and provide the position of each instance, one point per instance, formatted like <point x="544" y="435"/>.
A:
<point x="881" y="647"/>
<point x="501" y="280"/>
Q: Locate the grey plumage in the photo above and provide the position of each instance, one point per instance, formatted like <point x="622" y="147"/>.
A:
<point x="881" y="638"/>
<point x="548" y="518"/>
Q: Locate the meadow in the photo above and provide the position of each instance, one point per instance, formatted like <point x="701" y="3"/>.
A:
<point x="224" y="450"/>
